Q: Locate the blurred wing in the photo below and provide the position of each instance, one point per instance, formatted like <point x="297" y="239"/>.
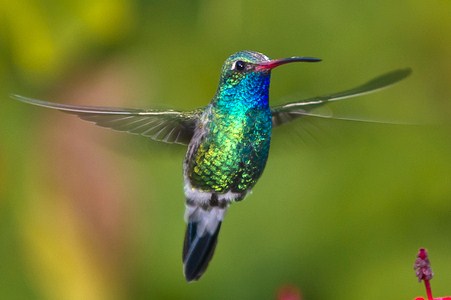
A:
<point x="287" y="112"/>
<point x="160" y="125"/>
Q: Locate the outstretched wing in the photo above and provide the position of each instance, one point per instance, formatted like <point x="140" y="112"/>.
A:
<point x="287" y="112"/>
<point x="167" y="126"/>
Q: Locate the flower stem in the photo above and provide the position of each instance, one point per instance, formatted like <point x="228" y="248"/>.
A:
<point x="427" y="284"/>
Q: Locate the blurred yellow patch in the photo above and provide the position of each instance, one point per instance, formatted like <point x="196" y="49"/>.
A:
<point x="44" y="40"/>
<point x="33" y="48"/>
<point x="107" y="21"/>
<point x="59" y="255"/>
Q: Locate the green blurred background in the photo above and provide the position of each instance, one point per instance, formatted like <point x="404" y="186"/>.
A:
<point x="88" y="213"/>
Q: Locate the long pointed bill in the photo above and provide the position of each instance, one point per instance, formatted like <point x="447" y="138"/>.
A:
<point x="269" y="65"/>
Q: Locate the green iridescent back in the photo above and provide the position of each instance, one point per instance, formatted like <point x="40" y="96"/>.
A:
<point x="231" y="151"/>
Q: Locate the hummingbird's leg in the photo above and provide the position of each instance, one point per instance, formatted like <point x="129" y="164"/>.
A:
<point x="214" y="200"/>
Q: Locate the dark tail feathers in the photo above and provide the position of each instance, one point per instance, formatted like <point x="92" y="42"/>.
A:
<point x="200" y="243"/>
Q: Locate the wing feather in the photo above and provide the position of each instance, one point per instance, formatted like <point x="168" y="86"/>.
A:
<point x="166" y="126"/>
<point x="290" y="111"/>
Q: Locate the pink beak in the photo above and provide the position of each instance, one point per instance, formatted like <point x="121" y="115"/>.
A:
<point x="269" y="65"/>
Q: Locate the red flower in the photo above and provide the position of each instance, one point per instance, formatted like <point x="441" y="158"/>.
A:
<point x="423" y="271"/>
<point x="289" y="292"/>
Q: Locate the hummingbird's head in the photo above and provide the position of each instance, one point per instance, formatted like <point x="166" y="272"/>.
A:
<point x="247" y="73"/>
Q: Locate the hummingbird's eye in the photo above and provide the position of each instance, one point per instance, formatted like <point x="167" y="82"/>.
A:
<point x="240" y="65"/>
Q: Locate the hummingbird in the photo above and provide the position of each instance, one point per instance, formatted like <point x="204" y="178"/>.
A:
<point x="227" y="140"/>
